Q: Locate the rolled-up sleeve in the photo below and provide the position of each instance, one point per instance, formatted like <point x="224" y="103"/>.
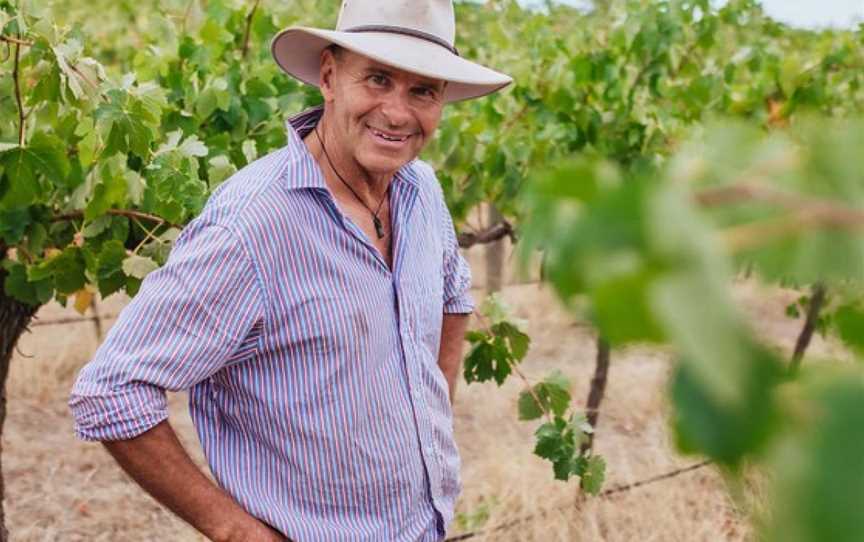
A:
<point x="457" y="272"/>
<point x="187" y="319"/>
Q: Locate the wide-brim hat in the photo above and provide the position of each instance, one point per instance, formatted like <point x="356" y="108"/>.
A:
<point x="413" y="35"/>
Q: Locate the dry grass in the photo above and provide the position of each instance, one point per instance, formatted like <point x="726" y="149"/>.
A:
<point x="61" y="489"/>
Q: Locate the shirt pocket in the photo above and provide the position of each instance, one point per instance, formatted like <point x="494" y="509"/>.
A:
<point x="424" y="294"/>
<point x="250" y="347"/>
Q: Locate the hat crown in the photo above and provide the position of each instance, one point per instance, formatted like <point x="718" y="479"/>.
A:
<point x="435" y="17"/>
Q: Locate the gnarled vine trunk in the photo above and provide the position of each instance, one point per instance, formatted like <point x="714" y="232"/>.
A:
<point x="14" y="319"/>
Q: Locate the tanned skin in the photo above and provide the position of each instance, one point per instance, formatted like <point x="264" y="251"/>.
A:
<point x="453" y="331"/>
<point x="157" y="461"/>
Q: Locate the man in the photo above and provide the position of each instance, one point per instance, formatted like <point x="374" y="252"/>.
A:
<point x="315" y="309"/>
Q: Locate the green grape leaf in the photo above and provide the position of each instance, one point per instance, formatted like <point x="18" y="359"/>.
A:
<point x="558" y="441"/>
<point x="494" y="353"/>
<point x="42" y="270"/>
<point x="65" y="269"/>
<point x="488" y="359"/>
<point x="37" y="237"/>
<point x="622" y="308"/>
<point x="45" y="154"/>
<point x="849" y="323"/>
<point x="80" y="74"/>
<point x="553" y="395"/>
<point x="220" y="169"/>
<point x="97" y="226"/>
<point x="135" y="186"/>
<point x="214" y="97"/>
<point x="174" y="189"/>
<point x="19" y="287"/>
<point x="474" y="336"/>
<point x="250" y="150"/>
<point x="111" y="189"/>
<point x="69" y="271"/>
<point x="213" y="33"/>
<point x="551" y="439"/>
<point x="191" y="146"/>
<point x="87" y="148"/>
<point x="517" y="341"/>
<point x="528" y="407"/>
<point x="160" y="250"/>
<point x="138" y="266"/>
<point x="594" y="475"/>
<point x="130" y="123"/>
<point x="818" y="468"/>
<point x="133" y="284"/>
<point x="109" y="268"/>
<point x="725" y="431"/>
<point x="48" y="87"/>
<point x="13" y="224"/>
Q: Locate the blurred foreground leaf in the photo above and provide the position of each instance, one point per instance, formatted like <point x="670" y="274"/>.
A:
<point x="818" y="470"/>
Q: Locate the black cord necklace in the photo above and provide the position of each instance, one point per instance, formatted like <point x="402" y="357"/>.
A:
<point x="379" y="228"/>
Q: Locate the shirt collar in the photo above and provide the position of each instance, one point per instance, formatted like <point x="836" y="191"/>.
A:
<point x="305" y="172"/>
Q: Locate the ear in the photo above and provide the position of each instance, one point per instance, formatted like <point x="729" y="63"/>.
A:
<point x="328" y="67"/>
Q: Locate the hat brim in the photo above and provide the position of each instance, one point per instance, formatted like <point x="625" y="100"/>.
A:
<point x="297" y="50"/>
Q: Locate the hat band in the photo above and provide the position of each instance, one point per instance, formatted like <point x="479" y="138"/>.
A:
<point x="405" y="32"/>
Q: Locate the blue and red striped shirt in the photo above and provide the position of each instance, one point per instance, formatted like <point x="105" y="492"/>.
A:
<point x="312" y="368"/>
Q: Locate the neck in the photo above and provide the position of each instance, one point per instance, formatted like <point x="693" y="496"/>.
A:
<point x="368" y="185"/>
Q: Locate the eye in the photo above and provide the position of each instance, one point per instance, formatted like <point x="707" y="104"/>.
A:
<point x="426" y="92"/>
<point x="378" y="79"/>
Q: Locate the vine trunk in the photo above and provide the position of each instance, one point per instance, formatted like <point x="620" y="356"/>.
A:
<point x="14" y="319"/>
<point x="598" y="389"/>
<point x="811" y="322"/>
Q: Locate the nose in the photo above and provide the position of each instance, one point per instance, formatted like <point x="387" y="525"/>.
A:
<point x="396" y="110"/>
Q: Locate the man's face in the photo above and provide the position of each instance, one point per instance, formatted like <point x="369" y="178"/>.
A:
<point x="382" y="116"/>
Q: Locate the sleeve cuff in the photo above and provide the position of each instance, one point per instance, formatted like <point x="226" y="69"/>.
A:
<point x="118" y="416"/>
<point x="463" y="304"/>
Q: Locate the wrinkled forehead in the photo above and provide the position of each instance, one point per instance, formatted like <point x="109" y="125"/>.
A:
<point x="361" y="64"/>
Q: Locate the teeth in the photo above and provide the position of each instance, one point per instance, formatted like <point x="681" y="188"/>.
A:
<point x="388" y="138"/>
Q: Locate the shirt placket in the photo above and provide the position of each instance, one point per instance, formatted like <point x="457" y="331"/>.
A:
<point x="407" y="337"/>
<point x="405" y="196"/>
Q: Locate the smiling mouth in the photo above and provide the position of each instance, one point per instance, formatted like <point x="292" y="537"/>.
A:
<point x="388" y="136"/>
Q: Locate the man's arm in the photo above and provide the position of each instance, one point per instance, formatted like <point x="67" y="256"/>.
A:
<point x="183" y="326"/>
<point x="157" y="461"/>
<point x="453" y="330"/>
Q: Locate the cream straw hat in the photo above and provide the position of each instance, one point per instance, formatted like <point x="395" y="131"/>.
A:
<point x="413" y="35"/>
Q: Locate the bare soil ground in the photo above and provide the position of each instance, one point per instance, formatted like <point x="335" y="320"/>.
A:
<point x="62" y="489"/>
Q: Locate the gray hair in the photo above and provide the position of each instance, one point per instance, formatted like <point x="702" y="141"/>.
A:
<point x="336" y="50"/>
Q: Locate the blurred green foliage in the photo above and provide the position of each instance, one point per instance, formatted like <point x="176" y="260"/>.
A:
<point x="650" y="255"/>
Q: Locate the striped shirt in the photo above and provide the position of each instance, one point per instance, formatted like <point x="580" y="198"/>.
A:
<point x="312" y="368"/>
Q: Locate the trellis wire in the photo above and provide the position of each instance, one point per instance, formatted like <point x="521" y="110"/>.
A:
<point x="609" y="492"/>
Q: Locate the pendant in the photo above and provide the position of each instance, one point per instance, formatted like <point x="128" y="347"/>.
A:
<point x="379" y="228"/>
